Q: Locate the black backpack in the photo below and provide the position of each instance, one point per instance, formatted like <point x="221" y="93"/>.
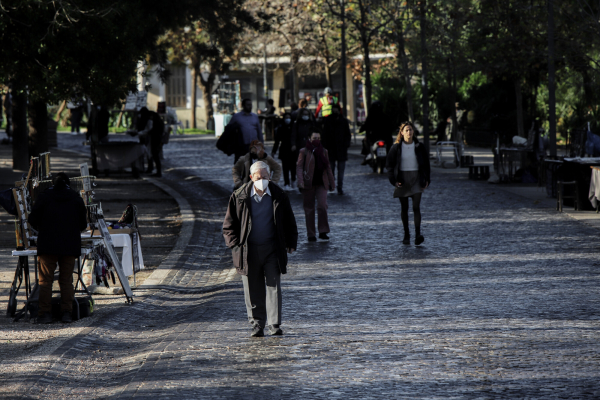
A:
<point x="230" y="140"/>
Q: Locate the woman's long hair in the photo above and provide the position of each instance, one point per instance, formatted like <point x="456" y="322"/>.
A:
<point x="403" y="125"/>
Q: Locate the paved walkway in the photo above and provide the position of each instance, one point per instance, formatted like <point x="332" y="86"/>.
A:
<point x="502" y="301"/>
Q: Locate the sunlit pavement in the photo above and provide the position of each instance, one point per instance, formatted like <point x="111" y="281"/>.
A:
<point x="501" y="301"/>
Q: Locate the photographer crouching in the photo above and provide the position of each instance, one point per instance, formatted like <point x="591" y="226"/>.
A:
<point x="59" y="216"/>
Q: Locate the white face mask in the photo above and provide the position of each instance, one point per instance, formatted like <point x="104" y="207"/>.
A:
<point x="305" y="117"/>
<point x="261" y="184"/>
<point x="287" y="120"/>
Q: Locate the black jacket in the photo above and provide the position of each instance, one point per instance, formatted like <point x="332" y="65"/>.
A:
<point x="283" y="142"/>
<point x="237" y="224"/>
<point x="336" y="137"/>
<point x="393" y="163"/>
<point x="59" y="216"/>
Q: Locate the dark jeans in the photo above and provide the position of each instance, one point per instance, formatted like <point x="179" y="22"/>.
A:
<point x="262" y="285"/>
<point x="155" y="150"/>
<point x="65" y="281"/>
<point x="288" y="164"/>
<point x="341" y="168"/>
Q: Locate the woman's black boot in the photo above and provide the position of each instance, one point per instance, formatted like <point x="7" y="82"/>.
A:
<point x="406" y="239"/>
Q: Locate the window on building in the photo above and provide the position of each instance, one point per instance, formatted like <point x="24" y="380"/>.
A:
<point x="176" y="87"/>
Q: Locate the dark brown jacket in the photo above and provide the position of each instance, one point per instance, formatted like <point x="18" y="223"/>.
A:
<point x="237" y="225"/>
<point x="241" y="169"/>
<point x="305" y="170"/>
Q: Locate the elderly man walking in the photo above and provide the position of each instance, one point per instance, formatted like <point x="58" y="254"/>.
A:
<point x="260" y="229"/>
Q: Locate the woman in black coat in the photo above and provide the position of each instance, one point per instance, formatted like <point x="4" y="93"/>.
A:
<point x="409" y="172"/>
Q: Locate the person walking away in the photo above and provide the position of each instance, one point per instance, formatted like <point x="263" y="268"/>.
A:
<point x="378" y="126"/>
<point x="325" y="105"/>
<point x="59" y="216"/>
<point x="315" y="178"/>
<point x="76" y="116"/>
<point x="337" y="139"/>
<point x="304" y="126"/>
<point x="152" y="134"/>
<point x="288" y="157"/>
<point x="409" y="172"/>
<point x="249" y="126"/>
<point x="260" y="229"/>
<point x="241" y="169"/>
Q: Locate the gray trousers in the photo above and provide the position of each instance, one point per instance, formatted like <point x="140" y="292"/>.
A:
<point x="263" y="302"/>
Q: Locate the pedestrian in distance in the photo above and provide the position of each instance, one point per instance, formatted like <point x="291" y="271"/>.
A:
<point x="304" y="126"/>
<point x="152" y="134"/>
<point x="337" y="139"/>
<point x="288" y="157"/>
<point x="325" y="105"/>
<point x="241" y="169"/>
<point x="249" y="126"/>
<point x="59" y="216"/>
<point x="260" y="229"/>
<point x="409" y="172"/>
<point x="315" y="178"/>
<point x="76" y="117"/>
<point x="378" y="126"/>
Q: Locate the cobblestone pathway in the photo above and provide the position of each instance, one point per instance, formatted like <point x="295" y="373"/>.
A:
<point x="502" y="301"/>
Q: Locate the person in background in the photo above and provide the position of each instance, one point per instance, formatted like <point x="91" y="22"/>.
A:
<point x="378" y="126"/>
<point x="152" y="134"/>
<point x="260" y="229"/>
<point x="59" y="216"/>
<point x="294" y="107"/>
<point x="303" y="126"/>
<point x="288" y="157"/>
<point x="249" y="126"/>
<point x="76" y="116"/>
<point x="314" y="180"/>
<point x="409" y="172"/>
<point x="337" y="139"/>
<point x="326" y="103"/>
<point x="241" y="169"/>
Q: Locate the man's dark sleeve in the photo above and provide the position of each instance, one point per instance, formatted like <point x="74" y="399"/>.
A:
<point x="37" y="212"/>
<point x="81" y="210"/>
<point x="290" y="227"/>
<point x="231" y="224"/>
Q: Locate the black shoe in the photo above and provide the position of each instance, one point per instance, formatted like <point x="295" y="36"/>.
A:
<point x="46" y="318"/>
<point x="257" y="331"/>
<point x="364" y="162"/>
<point x="323" y="236"/>
<point x="66" y="317"/>
<point x="406" y="239"/>
<point x="419" y="239"/>
<point x="312" y="239"/>
<point x="275" y="330"/>
<point x="340" y="192"/>
<point x="157" y="175"/>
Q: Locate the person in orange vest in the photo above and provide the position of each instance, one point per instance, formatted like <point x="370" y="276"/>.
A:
<point x="326" y="103"/>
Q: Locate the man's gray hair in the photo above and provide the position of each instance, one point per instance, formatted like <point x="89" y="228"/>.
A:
<point x="258" y="166"/>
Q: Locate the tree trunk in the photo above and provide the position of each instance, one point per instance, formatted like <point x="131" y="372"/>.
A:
<point x="424" y="84"/>
<point x="520" y="119"/>
<point x="295" y="89"/>
<point x="452" y="102"/>
<point x="120" y="117"/>
<point x="20" y="134"/>
<point x="367" y="73"/>
<point x="551" y="82"/>
<point x="38" y="127"/>
<point x="207" y="96"/>
<point x="60" y="110"/>
<point x="403" y="66"/>
<point x="195" y="73"/>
